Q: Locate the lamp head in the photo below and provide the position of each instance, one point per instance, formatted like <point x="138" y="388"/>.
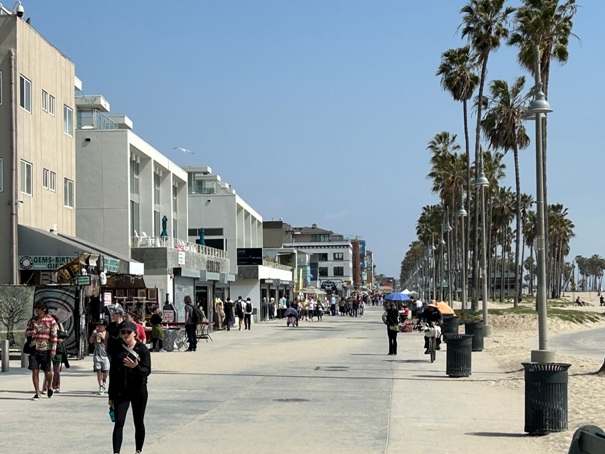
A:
<point x="482" y="181"/>
<point x="539" y="104"/>
<point x="462" y="212"/>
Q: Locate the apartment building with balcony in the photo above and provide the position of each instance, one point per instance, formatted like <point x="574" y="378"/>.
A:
<point x="220" y="218"/>
<point x="133" y="200"/>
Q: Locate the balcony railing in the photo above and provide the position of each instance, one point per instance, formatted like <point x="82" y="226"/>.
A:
<point x="175" y="243"/>
<point x="93" y="119"/>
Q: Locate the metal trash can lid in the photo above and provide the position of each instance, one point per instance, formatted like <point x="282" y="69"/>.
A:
<point x="546" y="367"/>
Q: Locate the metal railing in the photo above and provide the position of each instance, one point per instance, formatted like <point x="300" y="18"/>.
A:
<point x="175" y="243"/>
<point x="94" y="119"/>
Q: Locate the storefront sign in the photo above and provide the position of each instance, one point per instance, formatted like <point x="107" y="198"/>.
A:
<point x="112" y="265"/>
<point x="106" y="298"/>
<point x="43" y="262"/>
<point x="249" y="256"/>
<point x="83" y="280"/>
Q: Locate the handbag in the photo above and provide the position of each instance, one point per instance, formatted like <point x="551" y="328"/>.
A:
<point x="29" y="347"/>
<point x="394" y="327"/>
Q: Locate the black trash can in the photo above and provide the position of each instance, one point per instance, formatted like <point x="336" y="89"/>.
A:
<point x="450" y="324"/>
<point x="475" y="328"/>
<point x="545" y="397"/>
<point x="458" y="362"/>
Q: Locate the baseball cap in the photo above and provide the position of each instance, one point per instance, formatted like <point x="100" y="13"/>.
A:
<point x="102" y="322"/>
<point x="128" y="326"/>
<point x="118" y="310"/>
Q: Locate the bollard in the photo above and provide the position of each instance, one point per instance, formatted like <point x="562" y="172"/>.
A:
<point x="24" y="356"/>
<point x="5" y="356"/>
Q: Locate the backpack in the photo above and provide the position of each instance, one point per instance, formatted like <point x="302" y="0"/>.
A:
<point x="197" y="314"/>
<point x="249" y="307"/>
<point x="238" y="306"/>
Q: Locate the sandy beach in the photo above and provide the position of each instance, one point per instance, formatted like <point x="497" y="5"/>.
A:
<point x="586" y="390"/>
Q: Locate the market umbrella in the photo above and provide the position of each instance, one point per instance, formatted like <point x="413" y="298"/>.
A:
<point x="202" y="238"/>
<point x="443" y="308"/>
<point x="396" y="297"/>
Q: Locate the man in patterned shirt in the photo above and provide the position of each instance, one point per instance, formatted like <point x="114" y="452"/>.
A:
<point x="43" y="330"/>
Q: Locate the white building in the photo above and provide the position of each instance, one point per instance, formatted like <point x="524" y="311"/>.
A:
<point x="227" y="222"/>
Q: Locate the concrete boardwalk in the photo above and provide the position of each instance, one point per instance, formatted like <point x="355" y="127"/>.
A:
<point x="322" y="387"/>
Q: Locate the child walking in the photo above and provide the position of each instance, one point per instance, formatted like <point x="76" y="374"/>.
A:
<point x="100" y="359"/>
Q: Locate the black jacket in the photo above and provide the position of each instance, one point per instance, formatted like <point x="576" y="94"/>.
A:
<point x="124" y="380"/>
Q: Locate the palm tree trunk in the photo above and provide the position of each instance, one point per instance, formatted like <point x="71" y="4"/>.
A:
<point x="518" y="226"/>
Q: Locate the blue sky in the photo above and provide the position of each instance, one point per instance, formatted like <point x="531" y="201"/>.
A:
<point x="319" y="111"/>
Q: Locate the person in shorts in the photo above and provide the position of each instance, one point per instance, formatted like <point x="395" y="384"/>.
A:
<point x="42" y="328"/>
<point x="99" y="339"/>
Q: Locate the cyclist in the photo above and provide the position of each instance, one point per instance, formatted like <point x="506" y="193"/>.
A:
<point x="433" y="317"/>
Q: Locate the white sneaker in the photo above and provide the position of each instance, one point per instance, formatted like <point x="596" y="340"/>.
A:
<point x="101" y="390"/>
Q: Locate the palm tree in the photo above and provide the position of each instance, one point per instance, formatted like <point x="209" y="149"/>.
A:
<point x="560" y="232"/>
<point x="529" y="232"/>
<point x="504" y="129"/>
<point x="428" y="230"/>
<point x="459" y="78"/>
<point x="503" y="213"/>
<point x="547" y="24"/>
<point x="484" y="23"/>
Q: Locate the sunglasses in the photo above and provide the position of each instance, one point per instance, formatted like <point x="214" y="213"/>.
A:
<point x="125" y="331"/>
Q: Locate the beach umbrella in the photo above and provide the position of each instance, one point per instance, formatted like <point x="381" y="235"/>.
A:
<point x="443" y="308"/>
<point x="396" y="297"/>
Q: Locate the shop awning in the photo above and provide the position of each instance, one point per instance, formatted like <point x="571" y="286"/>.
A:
<point x="42" y="250"/>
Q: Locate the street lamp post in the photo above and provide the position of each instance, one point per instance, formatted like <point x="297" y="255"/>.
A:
<point x="441" y="267"/>
<point x="434" y="295"/>
<point x="482" y="182"/>
<point x="462" y="214"/>
<point x="448" y="229"/>
<point x="540" y="106"/>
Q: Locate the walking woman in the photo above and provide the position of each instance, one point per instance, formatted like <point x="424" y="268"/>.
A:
<point x="391" y="319"/>
<point x="130" y="366"/>
<point x="157" y="331"/>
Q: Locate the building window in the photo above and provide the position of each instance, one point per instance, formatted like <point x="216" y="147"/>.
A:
<point x="156" y="187"/>
<point x="323" y="271"/>
<point x="68" y="193"/>
<point x="134" y="218"/>
<point x="68" y="120"/>
<point x="322" y="257"/>
<point x="52" y="182"/>
<point x="339" y="256"/>
<point x="157" y="229"/>
<point x="175" y="193"/>
<point x="1" y="173"/>
<point x="44" y="101"/>
<point x="45" y="178"/>
<point x="26" y="177"/>
<point x="339" y="271"/>
<point x="320" y="238"/>
<point x="134" y="177"/>
<point x="51" y="105"/>
<point x="25" y="99"/>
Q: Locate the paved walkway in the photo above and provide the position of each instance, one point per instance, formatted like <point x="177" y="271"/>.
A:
<point x="323" y="387"/>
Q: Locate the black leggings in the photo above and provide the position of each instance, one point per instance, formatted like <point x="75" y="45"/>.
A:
<point x="392" y="341"/>
<point x="138" y="398"/>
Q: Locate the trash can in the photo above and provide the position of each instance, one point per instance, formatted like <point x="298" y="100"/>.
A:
<point x="450" y="324"/>
<point x="458" y="362"/>
<point x="169" y="339"/>
<point x="475" y="328"/>
<point x="545" y="397"/>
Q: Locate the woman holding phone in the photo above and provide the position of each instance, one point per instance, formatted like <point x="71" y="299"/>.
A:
<point x="128" y="373"/>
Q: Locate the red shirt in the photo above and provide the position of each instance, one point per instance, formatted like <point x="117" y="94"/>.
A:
<point x="44" y="333"/>
<point x="141" y="333"/>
